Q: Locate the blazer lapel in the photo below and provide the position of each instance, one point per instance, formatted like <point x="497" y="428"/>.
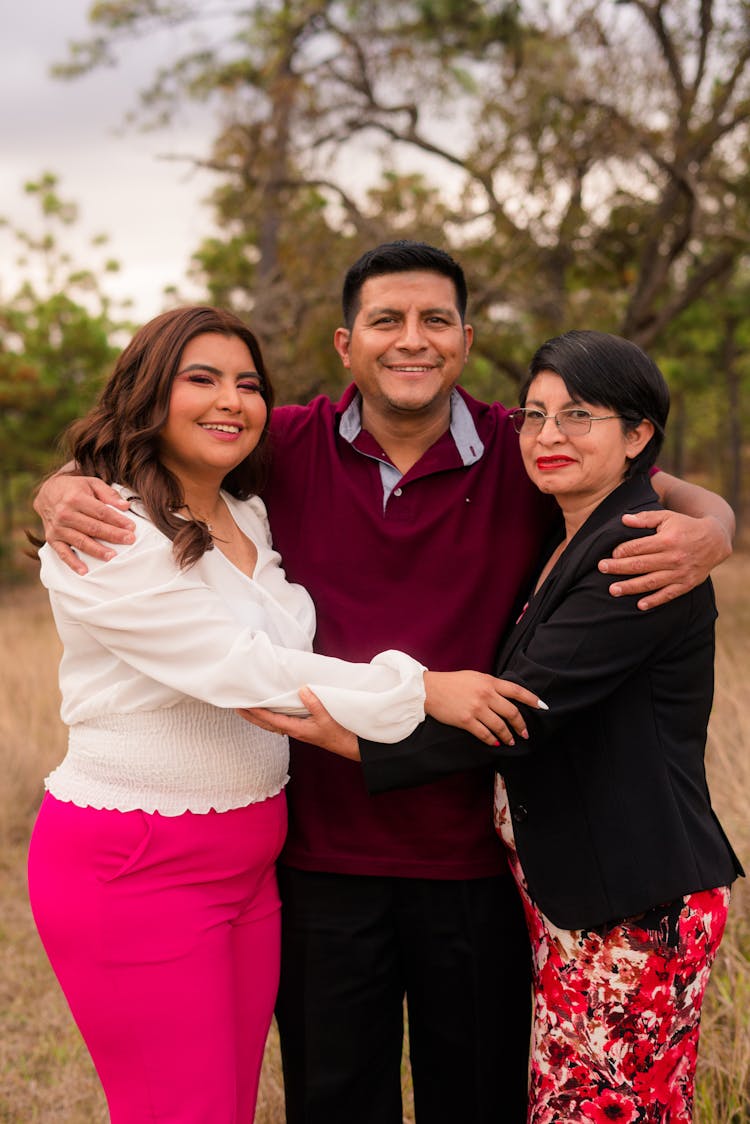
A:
<point x="632" y="494"/>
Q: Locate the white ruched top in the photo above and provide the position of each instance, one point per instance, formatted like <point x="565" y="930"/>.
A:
<point x="155" y="659"/>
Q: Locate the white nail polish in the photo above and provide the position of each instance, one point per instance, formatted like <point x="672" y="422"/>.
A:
<point x="541" y="705"/>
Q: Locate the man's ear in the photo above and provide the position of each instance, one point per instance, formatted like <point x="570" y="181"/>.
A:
<point x="468" y="340"/>
<point x="341" y="339"/>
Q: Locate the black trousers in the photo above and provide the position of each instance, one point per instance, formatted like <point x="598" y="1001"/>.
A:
<point x="352" y="948"/>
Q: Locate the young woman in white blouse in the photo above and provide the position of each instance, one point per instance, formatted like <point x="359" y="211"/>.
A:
<point x="151" y="866"/>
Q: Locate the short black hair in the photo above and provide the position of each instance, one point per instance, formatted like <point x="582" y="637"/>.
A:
<point x="608" y="371"/>
<point x="400" y="257"/>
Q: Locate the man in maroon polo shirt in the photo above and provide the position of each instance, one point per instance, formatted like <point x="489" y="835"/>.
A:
<point x="405" y="510"/>
<point x="418" y="538"/>
<point x="407" y="513"/>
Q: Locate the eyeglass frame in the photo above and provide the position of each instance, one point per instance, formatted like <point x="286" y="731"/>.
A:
<point x="522" y="412"/>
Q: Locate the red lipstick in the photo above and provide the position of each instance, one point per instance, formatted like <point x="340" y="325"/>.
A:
<point x="544" y="464"/>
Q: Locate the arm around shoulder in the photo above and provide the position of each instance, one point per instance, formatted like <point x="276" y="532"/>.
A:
<point x="693" y="536"/>
<point x="78" y="512"/>
<point x="699" y="503"/>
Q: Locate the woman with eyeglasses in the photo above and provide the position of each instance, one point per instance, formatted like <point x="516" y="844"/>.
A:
<point x="622" y="865"/>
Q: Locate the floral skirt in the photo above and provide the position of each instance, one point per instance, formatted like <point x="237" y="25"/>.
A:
<point x="617" y="1014"/>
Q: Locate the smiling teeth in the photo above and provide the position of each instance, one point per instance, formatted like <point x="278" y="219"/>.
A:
<point x="223" y="428"/>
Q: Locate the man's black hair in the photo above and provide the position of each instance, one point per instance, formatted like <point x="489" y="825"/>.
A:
<point x="400" y="257"/>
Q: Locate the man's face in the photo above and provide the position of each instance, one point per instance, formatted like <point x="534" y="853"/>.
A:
<point x="407" y="346"/>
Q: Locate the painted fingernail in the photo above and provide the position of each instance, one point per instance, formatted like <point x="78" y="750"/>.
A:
<point x="541" y="705"/>
<point x="525" y="734"/>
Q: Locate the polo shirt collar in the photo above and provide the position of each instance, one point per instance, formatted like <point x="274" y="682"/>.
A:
<point x="462" y="428"/>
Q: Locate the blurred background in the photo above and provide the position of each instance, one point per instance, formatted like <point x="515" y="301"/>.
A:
<point x="586" y="161"/>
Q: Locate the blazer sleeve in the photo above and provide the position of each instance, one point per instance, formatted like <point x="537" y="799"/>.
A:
<point x="433" y="751"/>
<point x="579" y="646"/>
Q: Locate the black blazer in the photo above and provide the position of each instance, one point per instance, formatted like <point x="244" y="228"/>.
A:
<point x="610" y="807"/>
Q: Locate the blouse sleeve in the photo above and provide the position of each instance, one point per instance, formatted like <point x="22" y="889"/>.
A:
<point x="170" y="626"/>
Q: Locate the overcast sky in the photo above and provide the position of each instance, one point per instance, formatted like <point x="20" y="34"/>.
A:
<point x="150" y="208"/>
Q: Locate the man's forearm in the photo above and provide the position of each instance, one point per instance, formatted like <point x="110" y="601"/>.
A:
<point x="690" y="499"/>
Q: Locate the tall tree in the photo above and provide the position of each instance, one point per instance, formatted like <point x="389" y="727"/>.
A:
<point x="314" y="97"/>
<point x="588" y="155"/>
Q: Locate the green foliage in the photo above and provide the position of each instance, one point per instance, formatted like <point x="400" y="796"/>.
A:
<point x="60" y="353"/>
<point x="594" y="154"/>
<point x="56" y="346"/>
<point x="589" y="163"/>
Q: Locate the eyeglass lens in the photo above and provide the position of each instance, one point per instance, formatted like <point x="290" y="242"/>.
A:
<point x="568" y="421"/>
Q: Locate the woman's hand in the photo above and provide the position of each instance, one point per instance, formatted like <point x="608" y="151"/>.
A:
<point x="77" y="511"/>
<point x="478" y="703"/>
<point x="319" y="729"/>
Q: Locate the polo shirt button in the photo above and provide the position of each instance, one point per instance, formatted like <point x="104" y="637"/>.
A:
<point x="398" y="491"/>
<point x="520" y="813"/>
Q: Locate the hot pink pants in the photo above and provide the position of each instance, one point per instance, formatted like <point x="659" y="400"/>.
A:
<point x="164" y="935"/>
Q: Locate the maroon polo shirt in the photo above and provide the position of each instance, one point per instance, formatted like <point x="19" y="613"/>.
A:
<point x="436" y="573"/>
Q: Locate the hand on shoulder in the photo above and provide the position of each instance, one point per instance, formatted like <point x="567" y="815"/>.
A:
<point x="78" y="512"/>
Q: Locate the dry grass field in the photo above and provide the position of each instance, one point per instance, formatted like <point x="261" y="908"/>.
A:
<point x="45" y="1073"/>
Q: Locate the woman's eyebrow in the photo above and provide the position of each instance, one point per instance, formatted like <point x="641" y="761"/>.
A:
<point x="216" y="371"/>
<point x="537" y="402"/>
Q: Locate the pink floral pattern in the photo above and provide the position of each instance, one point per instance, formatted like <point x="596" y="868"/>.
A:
<point x="616" y="1016"/>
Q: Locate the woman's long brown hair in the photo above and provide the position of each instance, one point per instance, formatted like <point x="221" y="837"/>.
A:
<point x="118" y="440"/>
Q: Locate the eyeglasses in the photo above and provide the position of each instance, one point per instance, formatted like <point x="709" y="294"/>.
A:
<point x="573" y="423"/>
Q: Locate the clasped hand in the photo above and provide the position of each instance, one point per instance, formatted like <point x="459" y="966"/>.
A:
<point x="478" y="703"/>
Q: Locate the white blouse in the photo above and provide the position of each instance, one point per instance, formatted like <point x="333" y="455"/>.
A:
<point x="155" y="658"/>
